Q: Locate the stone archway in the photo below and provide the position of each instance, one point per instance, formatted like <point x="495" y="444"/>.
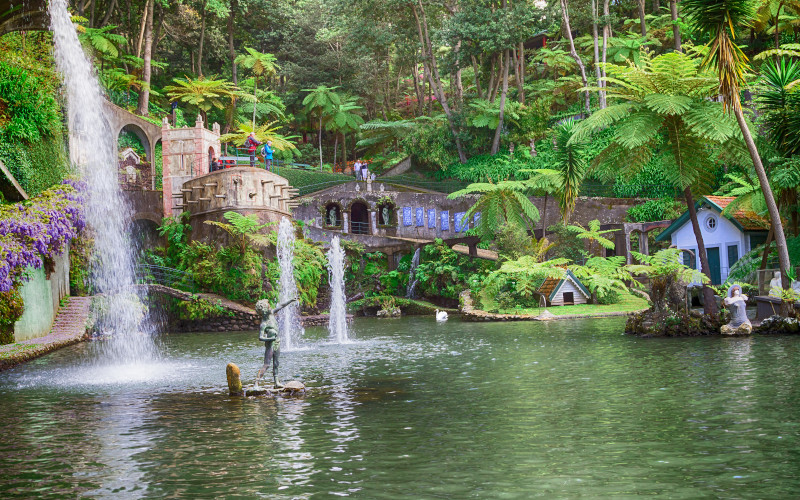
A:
<point x="359" y="218"/>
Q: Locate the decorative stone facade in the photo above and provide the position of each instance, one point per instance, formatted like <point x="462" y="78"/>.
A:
<point x="187" y="154"/>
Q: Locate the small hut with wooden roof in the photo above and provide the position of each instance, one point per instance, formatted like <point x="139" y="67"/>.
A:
<point x="565" y="291"/>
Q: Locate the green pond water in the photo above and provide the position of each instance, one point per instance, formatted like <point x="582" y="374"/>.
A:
<point x="414" y="409"/>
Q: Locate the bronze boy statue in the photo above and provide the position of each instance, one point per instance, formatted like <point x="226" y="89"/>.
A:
<point x="268" y="333"/>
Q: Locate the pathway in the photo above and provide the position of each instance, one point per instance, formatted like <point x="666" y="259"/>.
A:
<point x="68" y="328"/>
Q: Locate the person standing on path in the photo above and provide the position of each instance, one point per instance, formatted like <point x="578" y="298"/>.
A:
<point x="268" y="155"/>
<point x="252" y="144"/>
<point x="357" y="169"/>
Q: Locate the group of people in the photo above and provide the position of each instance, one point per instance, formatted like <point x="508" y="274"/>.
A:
<point x="361" y="170"/>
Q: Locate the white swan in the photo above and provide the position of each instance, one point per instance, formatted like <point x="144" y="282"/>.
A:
<point x="441" y="315"/>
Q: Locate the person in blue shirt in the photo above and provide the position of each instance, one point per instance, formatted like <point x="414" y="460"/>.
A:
<point x="268" y="154"/>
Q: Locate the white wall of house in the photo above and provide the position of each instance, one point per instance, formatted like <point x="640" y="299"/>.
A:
<point x="722" y="235"/>
<point x="568" y="286"/>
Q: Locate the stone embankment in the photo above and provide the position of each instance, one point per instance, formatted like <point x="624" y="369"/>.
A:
<point x="68" y="328"/>
<point x="471" y="314"/>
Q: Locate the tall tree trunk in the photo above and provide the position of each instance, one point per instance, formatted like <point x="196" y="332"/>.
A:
<point x="255" y="101"/>
<point x="144" y="95"/>
<point x="417" y="91"/>
<point x="92" y="7"/>
<point x="459" y="86"/>
<point x="477" y="77"/>
<point x="499" y="80"/>
<point x="656" y="7"/>
<point x="111" y="7"/>
<point x="601" y="95"/>
<point x="521" y="75"/>
<point x="320" y="139"/>
<point x="709" y="303"/>
<point x="777" y="23"/>
<point x="606" y="36"/>
<point x="642" y="23"/>
<point x="774" y="215"/>
<point x="490" y="88"/>
<point x="231" y="48"/>
<point x="142" y="28"/>
<point x="435" y="80"/>
<point x="676" y="30"/>
<point x="574" y="53"/>
<point x="202" y="40"/>
<point x="335" y="150"/>
<point x="497" y="132"/>
<point x="344" y="150"/>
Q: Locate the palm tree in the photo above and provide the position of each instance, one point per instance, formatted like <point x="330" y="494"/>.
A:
<point x="264" y="133"/>
<point x="321" y="100"/>
<point x="343" y="119"/>
<point x="262" y="65"/>
<point x="203" y="93"/>
<point x="664" y="99"/>
<point x="718" y="19"/>
<point x="593" y="235"/>
<point x="571" y="166"/>
<point x="546" y="181"/>
<point x="503" y="203"/>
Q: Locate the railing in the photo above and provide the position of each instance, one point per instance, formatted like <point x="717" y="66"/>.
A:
<point x="359" y="227"/>
<point x="158" y="275"/>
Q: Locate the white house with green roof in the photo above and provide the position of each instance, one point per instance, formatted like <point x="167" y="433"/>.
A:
<point x="726" y="238"/>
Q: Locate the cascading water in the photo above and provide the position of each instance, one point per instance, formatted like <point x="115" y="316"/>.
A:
<point x="91" y="149"/>
<point x="337" y="323"/>
<point x="289" y="324"/>
<point x="412" y="279"/>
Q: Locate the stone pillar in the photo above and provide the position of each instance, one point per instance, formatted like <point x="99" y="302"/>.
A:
<point x="644" y="245"/>
<point x="373" y="220"/>
<point x="166" y="179"/>
<point x="345" y="221"/>
<point x="627" y="247"/>
<point x="369" y="184"/>
<point x="619" y="243"/>
<point x="391" y="265"/>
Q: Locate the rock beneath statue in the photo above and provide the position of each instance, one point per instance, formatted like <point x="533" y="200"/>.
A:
<point x="393" y="312"/>
<point x="293" y="387"/>
<point x="743" y="329"/>
<point x="234" y="380"/>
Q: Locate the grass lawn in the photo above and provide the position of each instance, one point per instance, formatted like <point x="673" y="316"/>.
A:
<point x="628" y="303"/>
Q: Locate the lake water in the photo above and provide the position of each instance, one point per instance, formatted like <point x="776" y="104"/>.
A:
<point x="414" y="409"/>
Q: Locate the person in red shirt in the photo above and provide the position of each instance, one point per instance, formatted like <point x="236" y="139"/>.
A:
<point x="252" y="144"/>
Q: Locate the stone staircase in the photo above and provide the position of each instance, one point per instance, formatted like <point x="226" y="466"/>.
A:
<point x="68" y="328"/>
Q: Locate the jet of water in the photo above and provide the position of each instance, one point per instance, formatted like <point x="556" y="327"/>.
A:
<point x="289" y="324"/>
<point x="337" y="323"/>
<point x="412" y="280"/>
<point x="92" y="146"/>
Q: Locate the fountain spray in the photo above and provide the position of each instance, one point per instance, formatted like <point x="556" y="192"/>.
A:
<point x="337" y="322"/>
<point x="289" y="323"/>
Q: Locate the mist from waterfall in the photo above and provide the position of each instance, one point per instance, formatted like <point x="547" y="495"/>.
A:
<point x="337" y="322"/>
<point x="289" y="324"/>
<point x="92" y="145"/>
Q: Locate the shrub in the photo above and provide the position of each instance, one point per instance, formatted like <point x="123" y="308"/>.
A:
<point x="654" y="210"/>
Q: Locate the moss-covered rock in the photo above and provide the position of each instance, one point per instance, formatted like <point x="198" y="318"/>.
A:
<point x="668" y="323"/>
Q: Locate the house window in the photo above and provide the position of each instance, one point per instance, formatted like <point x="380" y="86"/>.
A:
<point x="711" y="224"/>
<point x="688" y="260"/>
<point x="733" y="255"/>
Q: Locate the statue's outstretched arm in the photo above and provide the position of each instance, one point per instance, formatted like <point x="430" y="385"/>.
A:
<point x="282" y="305"/>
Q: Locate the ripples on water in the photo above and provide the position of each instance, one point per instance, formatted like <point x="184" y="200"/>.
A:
<point x="414" y="409"/>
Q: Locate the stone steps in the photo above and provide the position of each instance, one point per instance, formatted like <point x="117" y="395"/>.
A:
<point x="68" y="328"/>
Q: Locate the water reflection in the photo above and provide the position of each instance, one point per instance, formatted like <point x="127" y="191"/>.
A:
<point x="413" y="410"/>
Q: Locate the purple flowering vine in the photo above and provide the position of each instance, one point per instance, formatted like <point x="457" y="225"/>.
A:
<point x="35" y="230"/>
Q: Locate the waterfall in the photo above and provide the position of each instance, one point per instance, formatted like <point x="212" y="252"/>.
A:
<point x="289" y="324"/>
<point x="92" y="146"/>
<point x="337" y="323"/>
<point x="412" y="271"/>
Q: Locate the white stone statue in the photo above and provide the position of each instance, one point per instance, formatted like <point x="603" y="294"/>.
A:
<point x="775" y="285"/>
<point x="736" y="302"/>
